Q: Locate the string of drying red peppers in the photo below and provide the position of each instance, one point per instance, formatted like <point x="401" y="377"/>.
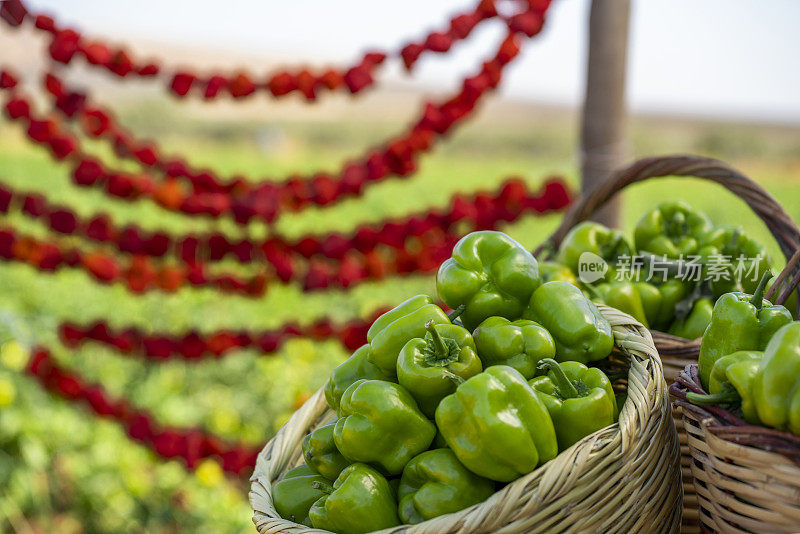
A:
<point x="98" y="122"/>
<point x="265" y="200"/>
<point x="190" y="445"/>
<point x="66" y="44"/>
<point x="194" y="345"/>
<point x="482" y="210"/>
<point x="418" y="243"/>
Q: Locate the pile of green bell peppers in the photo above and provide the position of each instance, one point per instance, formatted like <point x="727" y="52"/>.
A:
<point x="438" y="410"/>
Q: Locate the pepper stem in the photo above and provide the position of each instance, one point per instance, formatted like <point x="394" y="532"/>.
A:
<point x="734" y="243"/>
<point x="439" y="348"/>
<point x="452" y="376"/>
<point x="677" y="225"/>
<point x="564" y="385"/>
<point x="729" y="396"/>
<point x="758" y="296"/>
<point x="455" y="314"/>
<point x="323" y="487"/>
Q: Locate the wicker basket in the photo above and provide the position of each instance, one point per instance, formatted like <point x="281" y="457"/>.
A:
<point x="676" y="353"/>
<point x="747" y="477"/>
<point x="624" y="478"/>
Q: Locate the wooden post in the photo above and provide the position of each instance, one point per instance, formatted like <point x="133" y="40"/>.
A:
<point x="603" y="128"/>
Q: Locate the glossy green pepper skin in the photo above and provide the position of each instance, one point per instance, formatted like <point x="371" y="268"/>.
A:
<point x="550" y="270"/>
<point x="299" y="471"/>
<point x="490" y="274"/>
<point x="775" y="391"/>
<point x="739" y="322"/>
<point x="731" y="382"/>
<point x="580" y="399"/>
<point x="360" y="500"/>
<point x="730" y="244"/>
<point x="693" y="325"/>
<point x="382" y="425"/>
<point x="392" y="330"/>
<point x="436" y="483"/>
<point x="497" y="426"/>
<point x="519" y="344"/>
<point x="356" y="367"/>
<point x="597" y="239"/>
<point x="671" y="229"/>
<point x="321" y="454"/>
<point x="580" y="331"/>
<point x="426" y="365"/>
<point x="294" y="494"/>
<point x="672" y="292"/>
<point x="624" y="296"/>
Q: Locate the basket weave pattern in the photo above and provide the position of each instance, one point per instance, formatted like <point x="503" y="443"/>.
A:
<point x="747" y="477"/>
<point x="624" y="478"/>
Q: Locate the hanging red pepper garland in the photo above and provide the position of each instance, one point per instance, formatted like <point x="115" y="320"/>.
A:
<point x="480" y="211"/>
<point x="194" y="345"/>
<point x="220" y="198"/>
<point x="348" y="266"/>
<point x="66" y="44"/>
<point x="190" y="445"/>
<point x="139" y="273"/>
<point x="98" y="122"/>
<point x="265" y="200"/>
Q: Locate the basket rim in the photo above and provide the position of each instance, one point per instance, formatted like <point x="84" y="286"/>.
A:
<point x="726" y="426"/>
<point x="647" y="402"/>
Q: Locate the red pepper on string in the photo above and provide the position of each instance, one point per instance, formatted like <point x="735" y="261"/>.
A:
<point x="66" y="44"/>
<point x="190" y="445"/>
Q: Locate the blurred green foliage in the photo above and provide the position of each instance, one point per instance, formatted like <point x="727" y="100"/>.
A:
<point x="61" y="469"/>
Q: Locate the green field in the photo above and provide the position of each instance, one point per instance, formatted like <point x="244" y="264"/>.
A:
<point x="63" y="470"/>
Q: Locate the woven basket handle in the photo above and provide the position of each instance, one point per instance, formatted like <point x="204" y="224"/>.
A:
<point x="783" y="228"/>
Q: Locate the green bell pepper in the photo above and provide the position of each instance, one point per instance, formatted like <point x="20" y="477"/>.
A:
<point x="392" y="330"/>
<point x="294" y="494"/>
<point x="695" y="323"/>
<point x="496" y="425"/>
<point x="597" y="239"/>
<point x="426" y="365"/>
<point x="490" y="274"/>
<point x="519" y="344"/>
<point x="299" y="471"/>
<point x="731" y="382"/>
<point x="672" y="292"/>
<point x="356" y="367"/>
<point x="550" y="270"/>
<point x="652" y="301"/>
<point x="777" y="397"/>
<point x="671" y="229"/>
<point x="580" y="399"/>
<point x="739" y="322"/>
<point x="731" y="245"/>
<point x="624" y="296"/>
<point x="381" y="424"/>
<point x="580" y="331"/>
<point x="360" y="500"/>
<point x="321" y="453"/>
<point x="436" y="483"/>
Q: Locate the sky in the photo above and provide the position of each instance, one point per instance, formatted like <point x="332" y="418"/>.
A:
<point x="721" y="58"/>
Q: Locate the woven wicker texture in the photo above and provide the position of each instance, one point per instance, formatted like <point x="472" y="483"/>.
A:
<point x="747" y="477"/>
<point x="624" y="478"/>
